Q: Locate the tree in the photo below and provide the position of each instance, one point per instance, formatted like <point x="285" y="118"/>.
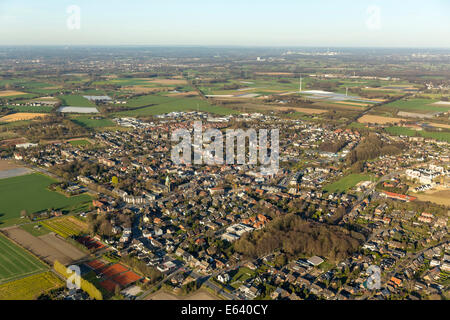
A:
<point x="115" y="181"/>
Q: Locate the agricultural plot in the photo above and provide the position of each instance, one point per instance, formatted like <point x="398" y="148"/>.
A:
<point x="156" y="105"/>
<point x="66" y="226"/>
<point x="402" y="131"/>
<point x="346" y="183"/>
<point x="143" y="82"/>
<point x="22" y="117"/>
<point x="16" y="263"/>
<point x="254" y="86"/>
<point x="30" y="109"/>
<point x="11" y="93"/>
<point x="75" y="101"/>
<point x="47" y="247"/>
<point x="30" y="193"/>
<point x="89" y="122"/>
<point x="31" y="287"/>
<point x="418" y="106"/>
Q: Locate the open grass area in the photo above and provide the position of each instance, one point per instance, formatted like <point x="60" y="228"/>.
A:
<point x="15" y="262"/>
<point x="75" y="101"/>
<point x="66" y="226"/>
<point x="35" y="229"/>
<point x="31" y="193"/>
<point x="155" y="105"/>
<point x="417" y="105"/>
<point x="346" y="183"/>
<point x="79" y="143"/>
<point x="91" y="122"/>
<point x="30" y="288"/>
<point x="402" y="131"/>
<point x="42" y="109"/>
<point x="241" y="276"/>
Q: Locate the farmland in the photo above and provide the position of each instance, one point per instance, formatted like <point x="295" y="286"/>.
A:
<point x="22" y="117"/>
<point x="346" y="183"/>
<point x="418" y="105"/>
<point x="11" y="93"/>
<point x="154" y="105"/>
<point x="402" y="131"/>
<point x="89" y="122"/>
<point x="75" y="101"/>
<point x="47" y="247"/>
<point x="31" y="287"/>
<point x="66" y="226"/>
<point x="30" y="109"/>
<point x="379" y="119"/>
<point x="15" y="262"/>
<point x="33" y="188"/>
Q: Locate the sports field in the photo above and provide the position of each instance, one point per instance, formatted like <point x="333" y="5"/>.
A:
<point x="30" y="288"/>
<point x="346" y="183"/>
<point x="16" y="263"/>
<point x="66" y="226"/>
<point x="30" y="193"/>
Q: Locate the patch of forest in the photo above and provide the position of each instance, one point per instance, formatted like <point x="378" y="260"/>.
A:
<point x="296" y="237"/>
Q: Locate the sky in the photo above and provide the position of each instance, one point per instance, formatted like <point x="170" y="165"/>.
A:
<point x="285" y="23"/>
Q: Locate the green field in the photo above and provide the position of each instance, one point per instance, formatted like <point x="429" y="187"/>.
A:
<point x="79" y="143"/>
<point x="346" y="183"/>
<point x="16" y="263"/>
<point x="42" y="109"/>
<point x="35" y="229"/>
<point x="30" y="193"/>
<point x="241" y="276"/>
<point x="402" y="131"/>
<point x="417" y="105"/>
<point x="155" y="105"/>
<point x="75" y="101"/>
<point x="88" y="122"/>
<point x="31" y="287"/>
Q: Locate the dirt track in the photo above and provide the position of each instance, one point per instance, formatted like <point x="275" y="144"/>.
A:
<point x="48" y="247"/>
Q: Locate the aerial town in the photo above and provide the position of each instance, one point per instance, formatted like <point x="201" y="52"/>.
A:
<point x="97" y="182"/>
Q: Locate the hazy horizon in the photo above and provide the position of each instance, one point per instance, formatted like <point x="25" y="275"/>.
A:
<point x="285" y="23"/>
